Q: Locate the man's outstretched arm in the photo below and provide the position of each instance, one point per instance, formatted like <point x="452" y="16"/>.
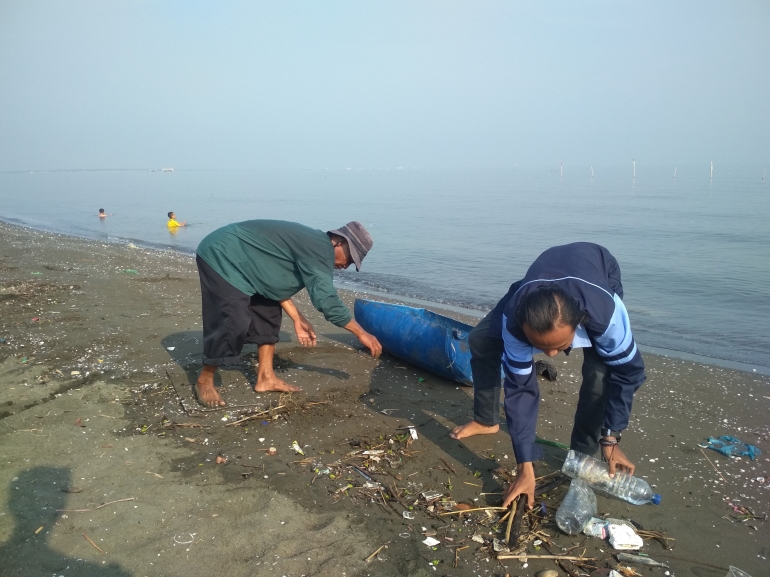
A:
<point x="368" y="340"/>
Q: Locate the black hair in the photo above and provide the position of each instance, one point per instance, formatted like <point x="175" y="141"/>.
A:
<point x="170" y="213"/>
<point x="547" y="307"/>
<point x="101" y="210"/>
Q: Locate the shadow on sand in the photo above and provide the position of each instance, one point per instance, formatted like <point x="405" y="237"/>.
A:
<point x="34" y="497"/>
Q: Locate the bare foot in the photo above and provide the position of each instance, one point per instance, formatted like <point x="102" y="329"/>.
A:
<point x="473" y="428"/>
<point x="267" y="384"/>
<point x="207" y="394"/>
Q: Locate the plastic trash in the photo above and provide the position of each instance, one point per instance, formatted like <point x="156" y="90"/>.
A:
<point x="596" y="474"/>
<point x="600" y="527"/>
<point x="732" y="447"/>
<point x="624" y="538"/>
<point x="639" y="560"/>
<point x="596" y="528"/>
<point x="407" y="515"/>
<point x="577" y="508"/>
<point x="735" y="572"/>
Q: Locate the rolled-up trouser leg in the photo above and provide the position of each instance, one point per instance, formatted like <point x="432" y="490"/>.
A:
<point x="589" y="416"/>
<point x="266" y="317"/>
<point x="226" y="318"/>
<point x="486" y="355"/>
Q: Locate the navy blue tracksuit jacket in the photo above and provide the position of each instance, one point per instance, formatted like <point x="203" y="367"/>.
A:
<point x="591" y="275"/>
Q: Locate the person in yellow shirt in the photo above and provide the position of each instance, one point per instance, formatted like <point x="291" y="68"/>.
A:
<point x="172" y="222"/>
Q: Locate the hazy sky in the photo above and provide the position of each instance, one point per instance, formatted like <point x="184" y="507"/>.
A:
<point x="191" y="84"/>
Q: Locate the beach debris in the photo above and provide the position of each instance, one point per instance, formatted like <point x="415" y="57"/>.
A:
<point x="272" y="451"/>
<point x="130" y="271"/>
<point x="597" y="527"/>
<point x="376" y="553"/>
<point x="478" y="539"/>
<point x="297" y="448"/>
<point x="39" y="529"/>
<point x="220" y="460"/>
<point x="431" y="542"/>
<point x="732" y="447"/>
<point x="94" y="544"/>
<point x="623" y="537"/>
<point x="74" y="373"/>
<point x="639" y="559"/>
<point x="431" y="496"/>
<point x="513" y="532"/>
<point x="408" y="515"/>
<point x="413" y="433"/>
<point x="79" y="422"/>
<point x="457" y="555"/>
<point x="170" y="348"/>
<point x="546" y="369"/>
<point x="547" y="573"/>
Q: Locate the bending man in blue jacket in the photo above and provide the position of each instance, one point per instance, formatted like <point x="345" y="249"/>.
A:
<point x="569" y="298"/>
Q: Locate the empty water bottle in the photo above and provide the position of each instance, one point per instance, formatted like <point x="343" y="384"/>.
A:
<point x="577" y="508"/>
<point x="597" y="475"/>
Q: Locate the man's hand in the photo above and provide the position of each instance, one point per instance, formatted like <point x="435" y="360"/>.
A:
<point x="617" y="460"/>
<point x="371" y="343"/>
<point x="523" y="485"/>
<point x="305" y="333"/>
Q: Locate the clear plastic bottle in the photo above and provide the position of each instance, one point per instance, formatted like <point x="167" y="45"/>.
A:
<point x="596" y="474"/>
<point x="577" y="508"/>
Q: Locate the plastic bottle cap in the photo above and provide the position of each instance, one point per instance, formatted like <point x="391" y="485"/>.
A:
<point x="656" y="499"/>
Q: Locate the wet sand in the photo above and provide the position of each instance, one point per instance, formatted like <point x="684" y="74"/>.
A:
<point x="100" y="343"/>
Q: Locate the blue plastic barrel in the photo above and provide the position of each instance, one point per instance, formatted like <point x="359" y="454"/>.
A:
<point x="433" y="342"/>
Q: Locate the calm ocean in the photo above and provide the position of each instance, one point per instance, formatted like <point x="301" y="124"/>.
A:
<point x="694" y="251"/>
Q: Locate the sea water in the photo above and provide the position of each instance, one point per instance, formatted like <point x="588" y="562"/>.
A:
<point x="694" y="251"/>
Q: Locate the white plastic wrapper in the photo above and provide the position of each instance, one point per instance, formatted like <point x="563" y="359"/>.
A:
<point x="623" y="537"/>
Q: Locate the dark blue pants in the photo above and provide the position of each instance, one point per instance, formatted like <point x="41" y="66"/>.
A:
<point x="486" y="357"/>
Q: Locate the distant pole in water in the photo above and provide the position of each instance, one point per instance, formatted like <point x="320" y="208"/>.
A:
<point x="634" y="161"/>
<point x="711" y="173"/>
<point x="675" y="171"/>
<point x="561" y="170"/>
<point x="592" y="171"/>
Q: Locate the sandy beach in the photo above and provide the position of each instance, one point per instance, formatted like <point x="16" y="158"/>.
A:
<point x="109" y="467"/>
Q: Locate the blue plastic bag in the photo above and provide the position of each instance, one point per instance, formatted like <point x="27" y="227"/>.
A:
<point x="732" y="447"/>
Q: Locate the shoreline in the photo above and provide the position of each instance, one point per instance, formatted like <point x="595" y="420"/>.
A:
<point x="100" y="342"/>
<point x="466" y="314"/>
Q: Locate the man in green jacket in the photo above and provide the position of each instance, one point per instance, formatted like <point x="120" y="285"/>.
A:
<point x="249" y="272"/>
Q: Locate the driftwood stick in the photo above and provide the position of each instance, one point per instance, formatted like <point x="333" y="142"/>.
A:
<point x="373" y="555"/>
<point x="521" y="507"/>
<point x="179" y="398"/>
<point x="457" y="555"/>
<point x="472" y="510"/>
<point x="511" y="515"/>
<point x="111" y="502"/>
<point x="448" y="466"/>
<point x="548" y="486"/>
<point x="255" y="416"/>
<point x="561" y="557"/>
<point x="94" y="544"/>
<point x="712" y="464"/>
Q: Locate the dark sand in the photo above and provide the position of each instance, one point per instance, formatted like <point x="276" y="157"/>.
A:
<point x="88" y="342"/>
